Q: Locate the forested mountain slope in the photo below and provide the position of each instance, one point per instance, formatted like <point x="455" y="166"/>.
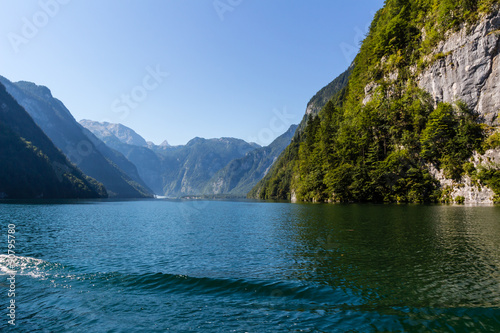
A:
<point x="30" y="165"/>
<point x="418" y="120"/>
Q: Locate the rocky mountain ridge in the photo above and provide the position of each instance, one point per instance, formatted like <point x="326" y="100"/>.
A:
<point x="463" y="67"/>
<point x="122" y="133"/>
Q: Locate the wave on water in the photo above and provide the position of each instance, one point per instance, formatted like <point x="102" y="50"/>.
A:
<point x="28" y="266"/>
<point x="164" y="282"/>
<point x="154" y="282"/>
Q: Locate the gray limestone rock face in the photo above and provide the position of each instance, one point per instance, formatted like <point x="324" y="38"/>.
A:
<point x="468" y="69"/>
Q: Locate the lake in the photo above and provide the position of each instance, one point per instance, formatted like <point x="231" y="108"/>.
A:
<point x="243" y="266"/>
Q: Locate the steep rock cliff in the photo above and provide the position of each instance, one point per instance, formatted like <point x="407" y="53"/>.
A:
<point x="468" y="69"/>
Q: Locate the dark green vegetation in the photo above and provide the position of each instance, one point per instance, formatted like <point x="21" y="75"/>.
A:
<point x="59" y="125"/>
<point x="488" y="175"/>
<point x="30" y="165"/>
<point x="242" y="174"/>
<point x="491" y="178"/>
<point x="449" y="138"/>
<point x="380" y="149"/>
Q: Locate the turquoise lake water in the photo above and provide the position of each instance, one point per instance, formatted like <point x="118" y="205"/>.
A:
<point x="243" y="266"/>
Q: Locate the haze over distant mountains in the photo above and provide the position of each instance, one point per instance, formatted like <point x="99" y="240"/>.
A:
<point x="190" y="169"/>
<point x="171" y="171"/>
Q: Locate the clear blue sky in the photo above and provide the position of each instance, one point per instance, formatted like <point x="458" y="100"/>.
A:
<point x="230" y="69"/>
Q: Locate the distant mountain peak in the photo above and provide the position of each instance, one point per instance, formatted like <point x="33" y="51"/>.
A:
<point x="121" y="132"/>
<point x="195" y="140"/>
<point x="30" y="87"/>
<point x="35" y="88"/>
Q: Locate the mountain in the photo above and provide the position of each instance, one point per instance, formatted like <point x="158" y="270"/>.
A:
<point x="242" y="174"/>
<point x="173" y="171"/>
<point x="59" y="125"/>
<point x="119" y="160"/>
<point x="276" y="183"/>
<point x="122" y="133"/>
<point x="189" y="168"/>
<point x="31" y="166"/>
<point x="145" y="160"/>
<point x="418" y="119"/>
<point x="326" y="93"/>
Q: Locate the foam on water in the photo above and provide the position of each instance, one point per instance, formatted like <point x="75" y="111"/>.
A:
<point x="27" y="266"/>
